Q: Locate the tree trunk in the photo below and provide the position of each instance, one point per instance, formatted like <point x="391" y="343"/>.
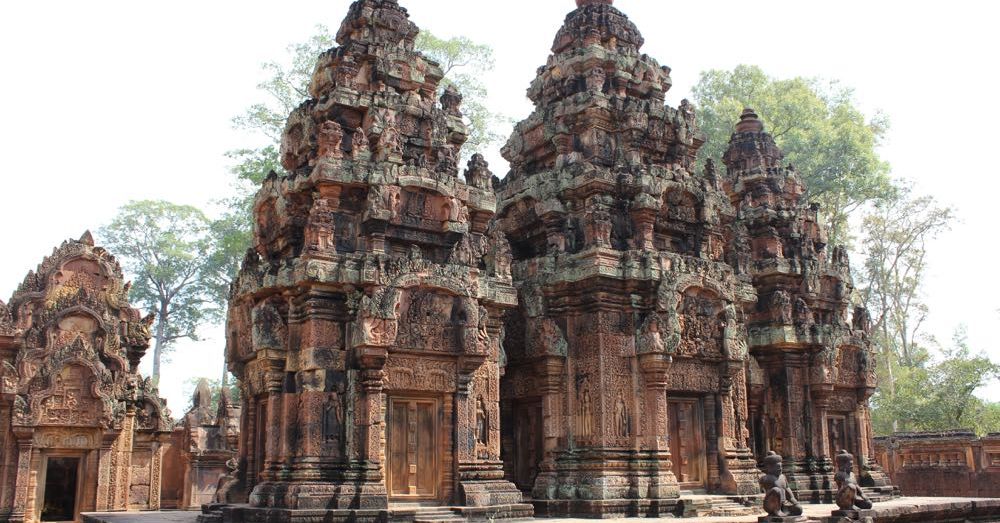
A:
<point x="161" y="335"/>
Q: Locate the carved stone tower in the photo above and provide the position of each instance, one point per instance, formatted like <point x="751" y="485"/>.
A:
<point x="626" y="376"/>
<point x="813" y="367"/>
<point x="365" y="325"/>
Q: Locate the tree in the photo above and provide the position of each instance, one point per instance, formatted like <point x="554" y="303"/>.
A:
<point x="165" y="247"/>
<point x="817" y="125"/>
<point x="940" y="394"/>
<point x="464" y="62"/>
<point x="896" y="235"/>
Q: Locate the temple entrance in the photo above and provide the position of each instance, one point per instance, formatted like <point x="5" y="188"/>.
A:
<point x="836" y="433"/>
<point x="528" y="444"/>
<point x="414" y="468"/>
<point x="687" y="442"/>
<point x="61" y="488"/>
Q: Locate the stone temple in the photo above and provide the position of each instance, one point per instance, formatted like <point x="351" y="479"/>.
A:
<point x="81" y="430"/>
<point x="612" y="329"/>
<point x="605" y="327"/>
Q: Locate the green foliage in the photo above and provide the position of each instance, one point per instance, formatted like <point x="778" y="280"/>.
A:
<point x="166" y="249"/>
<point x="896" y="234"/>
<point x="216" y="387"/>
<point x="822" y="133"/>
<point x="464" y="62"/>
<point x="939" y="394"/>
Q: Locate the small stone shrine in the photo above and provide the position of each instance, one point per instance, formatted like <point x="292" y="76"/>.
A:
<point x="209" y="443"/>
<point x="812" y="368"/>
<point x="82" y="431"/>
<point x="365" y="325"/>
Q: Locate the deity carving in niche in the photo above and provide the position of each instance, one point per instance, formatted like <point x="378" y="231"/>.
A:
<point x="333" y="421"/>
<point x="431" y="321"/>
<point x="331" y="136"/>
<point x="623" y="421"/>
<point x="781" y="304"/>
<point x="700" y="324"/>
<point x="585" y="409"/>
<point x="681" y="206"/>
<point x="359" y="142"/>
<point x="482" y="422"/>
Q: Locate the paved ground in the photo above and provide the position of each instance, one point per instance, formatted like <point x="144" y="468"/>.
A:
<point x="144" y="517"/>
<point x="815" y="512"/>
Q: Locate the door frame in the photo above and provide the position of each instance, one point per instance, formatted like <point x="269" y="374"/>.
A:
<point x="438" y="478"/>
<point x="698" y="410"/>
<point x="81" y="458"/>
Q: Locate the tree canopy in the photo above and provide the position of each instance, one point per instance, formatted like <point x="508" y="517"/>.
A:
<point x="166" y="248"/>
<point x="828" y="139"/>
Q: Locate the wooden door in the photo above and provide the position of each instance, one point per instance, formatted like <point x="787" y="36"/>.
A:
<point x="414" y="470"/>
<point x="527" y="444"/>
<point x="836" y="434"/>
<point x="687" y="442"/>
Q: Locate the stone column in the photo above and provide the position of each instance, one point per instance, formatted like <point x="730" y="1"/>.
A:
<point x="22" y="482"/>
<point x="272" y="440"/>
<point x="104" y="475"/>
<point x="551" y="371"/>
<point x="662" y="480"/>
<point x="155" y="475"/>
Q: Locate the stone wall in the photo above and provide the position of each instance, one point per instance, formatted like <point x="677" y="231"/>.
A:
<point x="952" y="463"/>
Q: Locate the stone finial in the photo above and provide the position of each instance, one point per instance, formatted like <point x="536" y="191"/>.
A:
<point x="749" y="122"/>
<point x="87" y="239"/>
<point x="202" y="395"/>
<point x="584" y="3"/>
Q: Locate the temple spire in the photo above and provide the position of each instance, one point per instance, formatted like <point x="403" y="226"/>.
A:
<point x="584" y="3"/>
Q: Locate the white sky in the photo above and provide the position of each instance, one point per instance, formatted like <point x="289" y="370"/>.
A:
<point x="106" y="101"/>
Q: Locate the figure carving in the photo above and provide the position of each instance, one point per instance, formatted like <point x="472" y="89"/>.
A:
<point x="477" y="173"/>
<point x="779" y="500"/>
<point x="451" y="101"/>
<point x="359" y="143"/>
<point x="850" y="496"/>
<point x="482" y="422"/>
<point x="734" y="338"/>
<point x="803" y="314"/>
<point x="331" y="136"/>
<point x="595" y="79"/>
<point x="781" y="305"/>
<point x="862" y="320"/>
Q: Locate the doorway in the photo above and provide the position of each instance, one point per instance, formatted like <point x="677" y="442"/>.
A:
<point x="687" y="442"/>
<point x="414" y="471"/>
<point x="59" y="499"/>
<point x="527" y="444"/>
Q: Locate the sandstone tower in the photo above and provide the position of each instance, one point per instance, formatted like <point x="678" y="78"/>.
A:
<point x="604" y="329"/>
<point x="626" y="379"/>
<point x="365" y="324"/>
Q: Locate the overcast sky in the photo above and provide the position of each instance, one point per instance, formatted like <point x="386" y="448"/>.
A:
<point x="102" y="102"/>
